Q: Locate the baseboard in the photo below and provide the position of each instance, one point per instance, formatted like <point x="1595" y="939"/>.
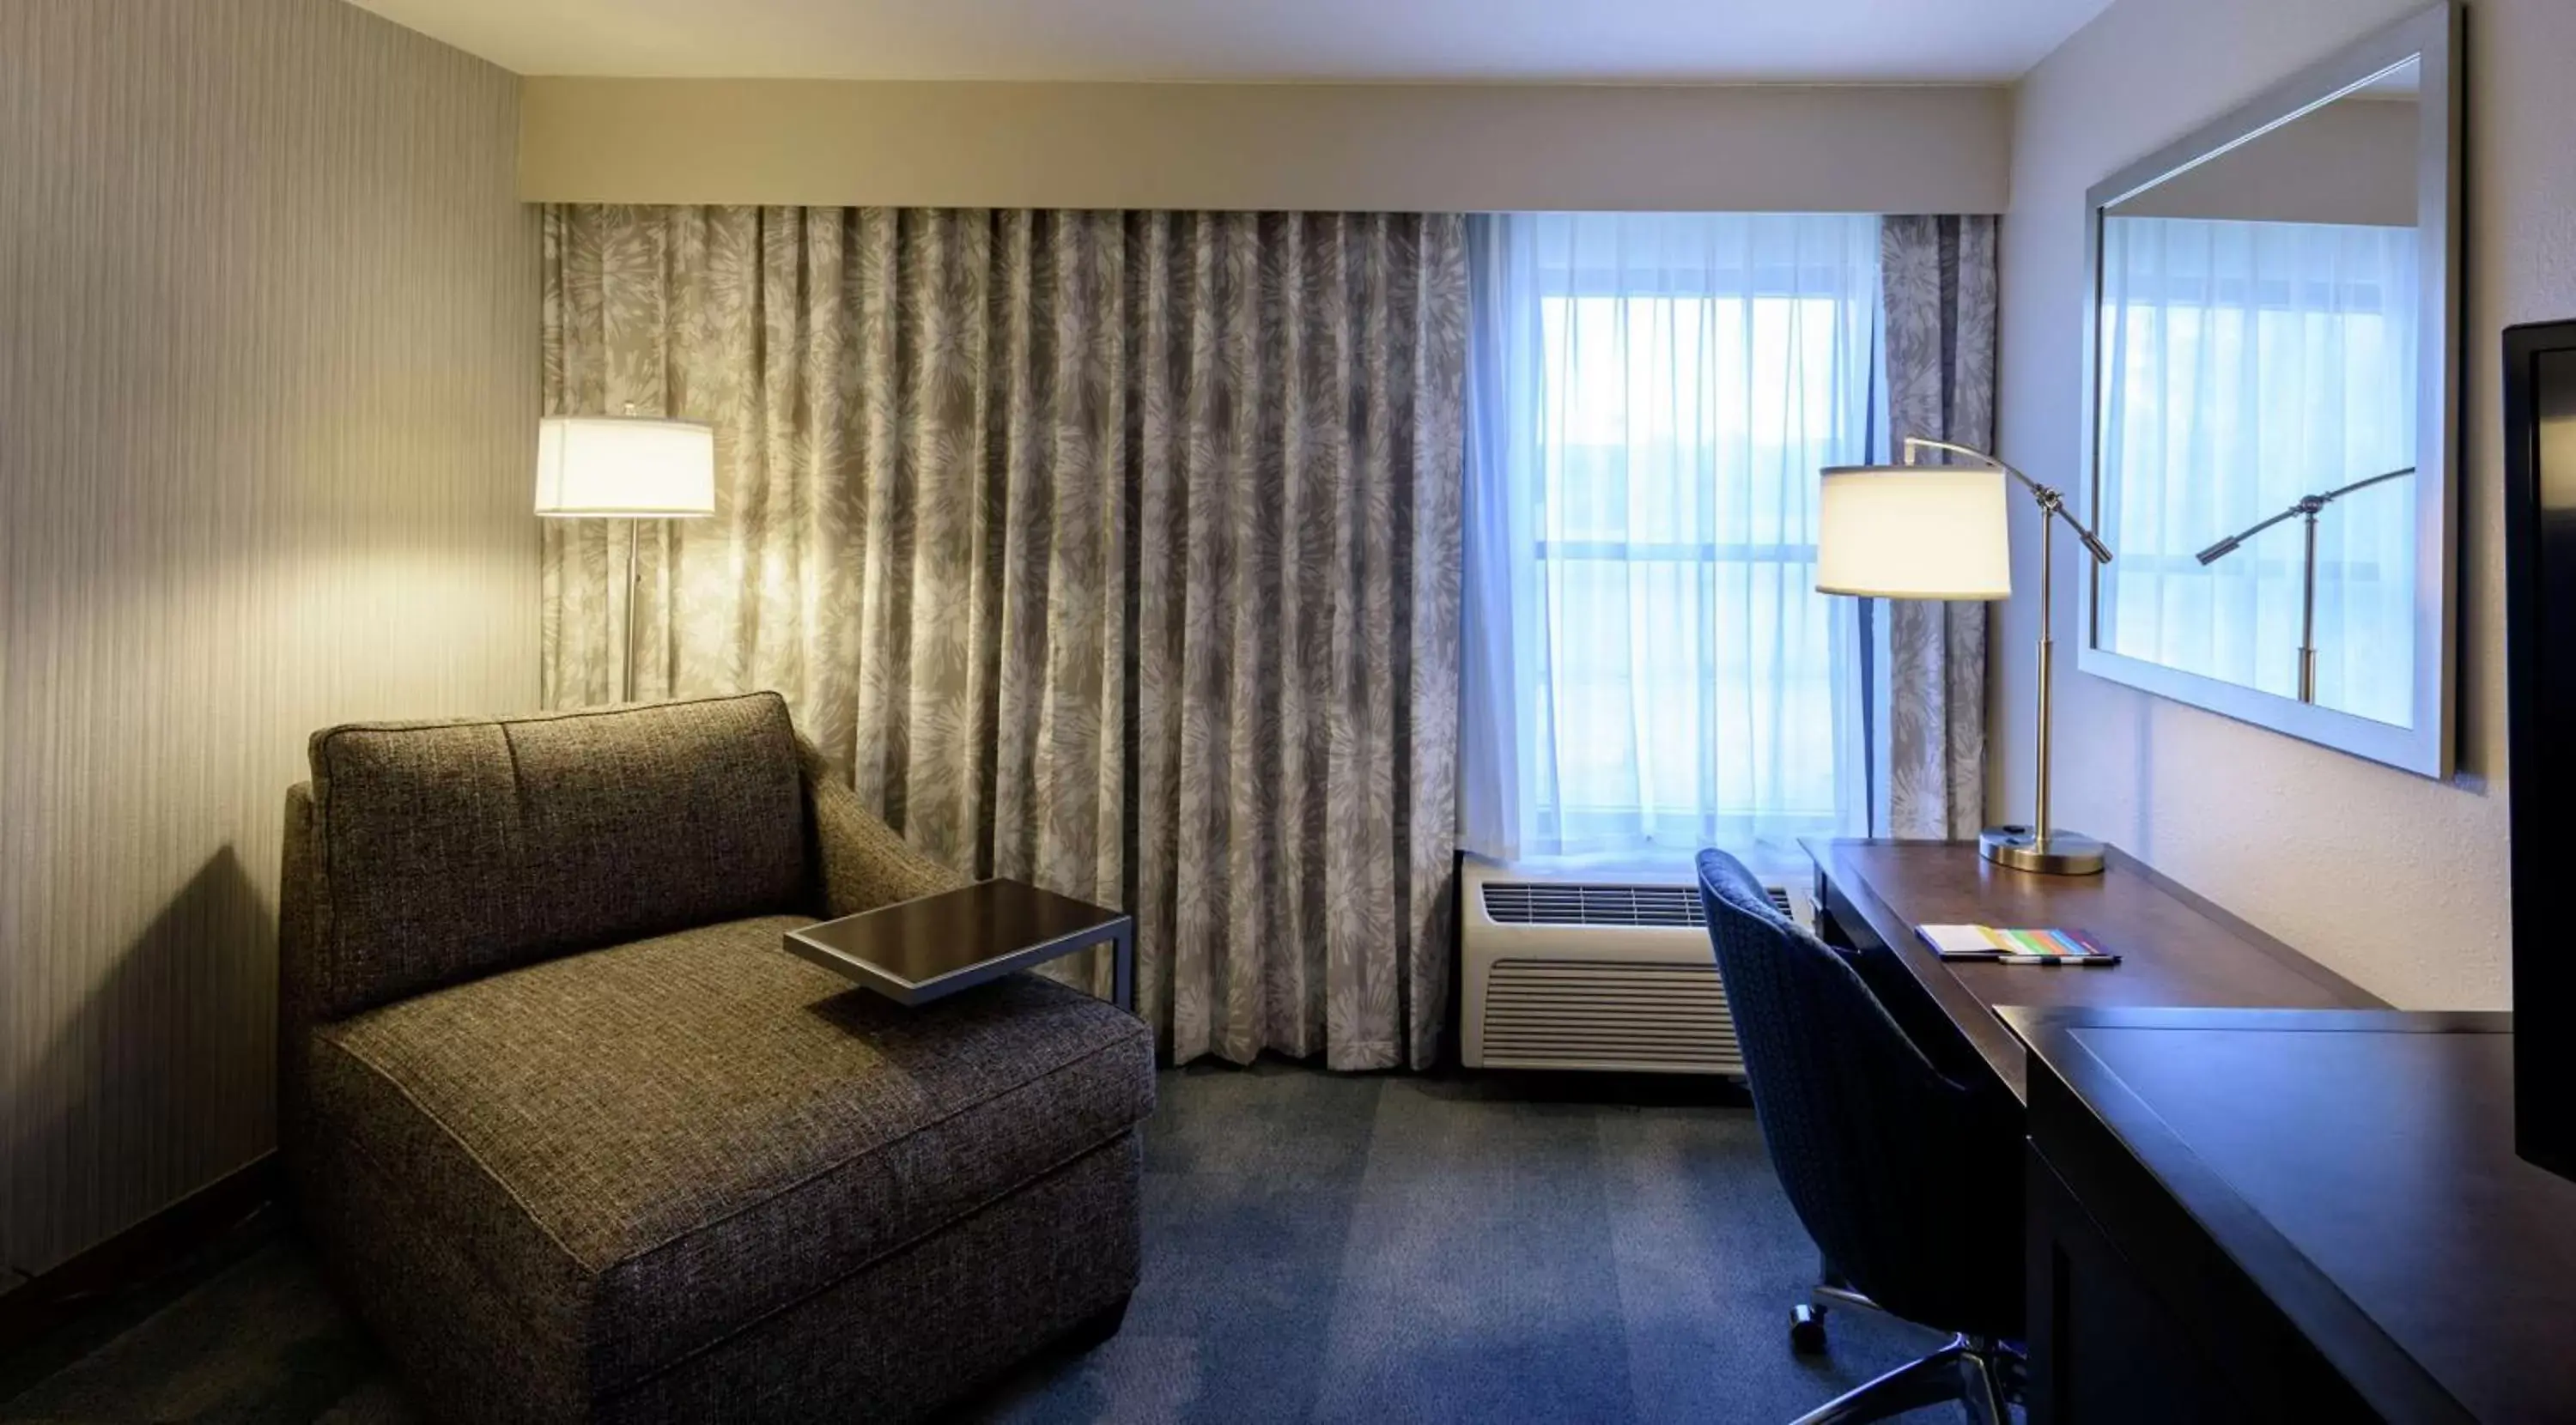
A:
<point x="138" y="1254"/>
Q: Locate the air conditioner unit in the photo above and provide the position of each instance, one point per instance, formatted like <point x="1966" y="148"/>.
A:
<point x="1586" y="969"/>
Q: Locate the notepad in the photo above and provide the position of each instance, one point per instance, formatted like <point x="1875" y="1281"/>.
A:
<point x="2014" y="947"/>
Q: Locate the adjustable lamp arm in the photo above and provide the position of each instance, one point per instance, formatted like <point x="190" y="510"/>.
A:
<point x="2051" y="501"/>
<point x="2038" y="846"/>
<point x="2309" y="505"/>
<point x="2229" y="545"/>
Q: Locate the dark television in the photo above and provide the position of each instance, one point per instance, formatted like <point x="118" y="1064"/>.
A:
<point x="2540" y="661"/>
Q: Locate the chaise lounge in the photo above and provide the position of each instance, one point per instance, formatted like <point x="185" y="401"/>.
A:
<point x="580" y="1142"/>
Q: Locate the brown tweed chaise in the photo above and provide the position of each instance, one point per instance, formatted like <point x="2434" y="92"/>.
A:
<point x="582" y="1143"/>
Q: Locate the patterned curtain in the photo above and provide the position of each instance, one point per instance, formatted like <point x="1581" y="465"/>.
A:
<point x="1938" y="276"/>
<point x="1116" y="552"/>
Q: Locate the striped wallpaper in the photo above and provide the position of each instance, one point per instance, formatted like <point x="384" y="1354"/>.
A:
<point x="268" y="397"/>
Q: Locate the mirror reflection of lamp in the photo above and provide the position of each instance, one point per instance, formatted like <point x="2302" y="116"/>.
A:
<point x="2309" y="506"/>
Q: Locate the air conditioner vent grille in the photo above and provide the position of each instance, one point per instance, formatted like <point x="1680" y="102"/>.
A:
<point x="1543" y="903"/>
<point x="1600" y="1013"/>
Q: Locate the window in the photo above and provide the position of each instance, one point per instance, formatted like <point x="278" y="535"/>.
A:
<point x="1655" y="396"/>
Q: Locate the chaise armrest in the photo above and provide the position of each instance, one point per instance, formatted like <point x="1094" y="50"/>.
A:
<point x="861" y="862"/>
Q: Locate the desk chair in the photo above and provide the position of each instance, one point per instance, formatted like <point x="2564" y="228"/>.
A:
<point x="1909" y="1182"/>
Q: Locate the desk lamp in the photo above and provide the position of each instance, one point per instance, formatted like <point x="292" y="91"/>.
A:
<point x="1939" y="532"/>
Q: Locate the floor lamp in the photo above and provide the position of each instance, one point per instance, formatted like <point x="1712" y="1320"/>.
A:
<point x="632" y="468"/>
<point x="1939" y="532"/>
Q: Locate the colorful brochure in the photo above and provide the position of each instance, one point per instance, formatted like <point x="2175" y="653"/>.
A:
<point x="2014" y="947"/>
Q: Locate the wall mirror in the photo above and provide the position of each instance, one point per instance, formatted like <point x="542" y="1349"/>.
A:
<point x="2271" y="429"/>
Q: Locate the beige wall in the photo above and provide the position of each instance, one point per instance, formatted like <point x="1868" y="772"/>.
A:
<point x="1233" y="146"/>
<point x="2394" y="880"/>
<point x="2352" y="161"/>
<point x="268" y="387"/>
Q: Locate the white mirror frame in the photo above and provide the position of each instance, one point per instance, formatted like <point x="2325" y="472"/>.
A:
<point x="2434" y="37"/>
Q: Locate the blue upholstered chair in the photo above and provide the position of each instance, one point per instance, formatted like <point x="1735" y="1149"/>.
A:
<point x="1909" y="1181"/>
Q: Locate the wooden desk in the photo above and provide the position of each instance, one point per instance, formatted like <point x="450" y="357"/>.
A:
<point x="2285" y="1215"/>
<point x="2175" y="948"/>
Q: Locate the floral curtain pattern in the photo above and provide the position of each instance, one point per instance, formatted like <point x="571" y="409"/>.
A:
<point x="1117" y="552"/>
<point x="1939" y="285"/>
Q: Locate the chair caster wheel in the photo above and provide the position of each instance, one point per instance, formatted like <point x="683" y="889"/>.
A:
<point x="1807" y="1330"/>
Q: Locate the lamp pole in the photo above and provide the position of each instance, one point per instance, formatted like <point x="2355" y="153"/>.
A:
<point x="2047" y="666"/>
<point x="2036" y="847"/>
<point x="627" y="468"/>
<point x="634" y="576"/>
<point x="2308" y="616"/>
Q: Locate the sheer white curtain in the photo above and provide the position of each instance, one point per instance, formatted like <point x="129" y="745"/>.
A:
<point x="1649" y="669"/>
<point x="2260" y="362"/>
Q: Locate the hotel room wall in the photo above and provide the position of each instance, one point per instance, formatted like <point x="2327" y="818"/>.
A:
<point x="2391" y="879"/>
<point x="268" y="393"/>
<point x="1315" y="147"/>
<point x="2350" y="162"/>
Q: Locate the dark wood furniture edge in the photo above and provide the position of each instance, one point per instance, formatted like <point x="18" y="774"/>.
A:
<point x="1969" y="1015"/>
<point x="2272" y="1019"/>
<point x="2289" y="955"/>
<point x="1997" y="1045"/>
<point x="138" y="1254"/>
<point x="2071" y="1088"/>
<point x="2238" y="1354"/>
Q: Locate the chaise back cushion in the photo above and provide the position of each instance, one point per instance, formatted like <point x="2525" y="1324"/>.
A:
<point x="447" y="851"/>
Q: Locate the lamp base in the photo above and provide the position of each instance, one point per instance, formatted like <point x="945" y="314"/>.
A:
<point x="2063" y="854"/>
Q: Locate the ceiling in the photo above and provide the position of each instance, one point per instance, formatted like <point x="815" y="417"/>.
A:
<point x="1573" y="41"/>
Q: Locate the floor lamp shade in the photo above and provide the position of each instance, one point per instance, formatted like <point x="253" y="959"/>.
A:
<point x="625" y="467"/>
<point x="631" y="468"/>
<point x="1913" y="532"/>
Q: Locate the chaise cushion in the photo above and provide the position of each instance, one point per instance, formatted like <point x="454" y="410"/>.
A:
<point x="446" y="850"/>
<point x="646" y="1148"/>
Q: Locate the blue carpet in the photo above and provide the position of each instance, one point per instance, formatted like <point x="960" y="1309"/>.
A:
<point x="1317" y="1248"/>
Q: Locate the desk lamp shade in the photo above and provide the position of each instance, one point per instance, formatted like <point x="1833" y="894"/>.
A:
<point x="625" y="467"/>
<point x="1913" y="532"/>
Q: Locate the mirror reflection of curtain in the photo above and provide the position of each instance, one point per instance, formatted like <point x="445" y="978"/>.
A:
<point x="2247" y="364"/>
<point x="1651" y="396"/>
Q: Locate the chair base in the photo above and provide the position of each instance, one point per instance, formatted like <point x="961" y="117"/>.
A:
<point x="1807" y="1329"/>
<point x="1976" y="1371"/>
<point x="1807" y="1318"/>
